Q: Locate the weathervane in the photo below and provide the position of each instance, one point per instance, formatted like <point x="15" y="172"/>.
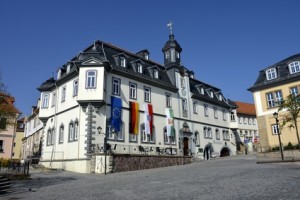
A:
<point x="170" y="25"/>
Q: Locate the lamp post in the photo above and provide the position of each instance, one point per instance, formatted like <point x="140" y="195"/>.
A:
<point x="275" y="115"/>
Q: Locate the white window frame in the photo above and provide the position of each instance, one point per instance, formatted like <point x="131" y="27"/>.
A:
<point x="270" y="100"/>
<point x="71" y="131"/>
<point x="147" y="94"/>
<point x="61" y="134"/>
<point x="195" y="107"/>
<point x="155" y="73"/>
<point x="294" y="67"/>
<point x="75" y="87"/>
<point x="63" y="93"/>
<point x="45" y="100"/>
<point x="224" y="114"/>
<point x="168" y="100"/>
<point x="139" y="68"/>
<point x="184" y="104"/>
<point x="205" y="110"/>
<point x="54" y="99"/>
<point x="76" y="129"/>
<point x="216" y="113"/>
<point x="271" y="74"/>
<point x="122" y="62"/>
<point x="294" y="90"/>
<point x="91" y="78"/>
<point x="278" y="97"/>
<point x="116" y="86"/>
<point x="275" y="129"/>
<point x="132" y="90"/>
<point x="133" y="137"/>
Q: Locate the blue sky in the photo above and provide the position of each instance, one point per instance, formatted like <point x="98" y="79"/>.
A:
<point x="226" y="43"/>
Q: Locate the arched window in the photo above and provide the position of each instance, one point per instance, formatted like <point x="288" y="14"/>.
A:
<point x="61" y="134"/>
<point x="49" y="137"/>
<point x="112" y="133"/>
<point x="71" y="131"/>
<point x="76" y="130"/>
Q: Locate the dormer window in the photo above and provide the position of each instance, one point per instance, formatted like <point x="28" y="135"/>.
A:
<point x="202" y="90"/>
<point x="271" y="74"/>
<point x="146" y="56"/>
<point x="59" y="74"/>
<point x="68" y="68"/>
<point x="139" y="68"/>
<point x="211" y="94"/>
<point x="220" y="97"/>
<point x="122" y="62"/>
<point x="167" y="55"/>
<point x="294" y="67"/>
<point x="155" y="73"/>
<point x="177" y="55"/>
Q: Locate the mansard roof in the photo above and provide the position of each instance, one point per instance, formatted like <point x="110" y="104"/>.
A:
<point x="216" y="99"/>
<point x="283" y="74"/>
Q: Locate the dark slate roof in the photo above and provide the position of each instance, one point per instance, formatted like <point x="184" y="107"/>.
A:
<point x="195" y="86"/>
<point x="283" y="75"/>
<point x="172" y="43"/>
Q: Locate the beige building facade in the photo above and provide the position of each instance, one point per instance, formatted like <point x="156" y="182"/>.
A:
<point x="273" y="85"/>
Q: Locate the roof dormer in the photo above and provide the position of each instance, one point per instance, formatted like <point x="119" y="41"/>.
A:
<point x="294" y="67"/>
<point x="271" y="73"/>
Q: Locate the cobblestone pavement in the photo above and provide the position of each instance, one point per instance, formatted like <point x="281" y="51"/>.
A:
<point x="236" y="177"/>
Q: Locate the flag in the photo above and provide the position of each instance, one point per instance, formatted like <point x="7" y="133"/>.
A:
<point x="116" y="111"/>
<point x="170" y="122"/>
<point x="134" y="117"/>
<point x="148" y="119"/>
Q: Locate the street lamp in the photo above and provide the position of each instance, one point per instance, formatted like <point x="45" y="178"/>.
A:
<point x="275" y="115"/>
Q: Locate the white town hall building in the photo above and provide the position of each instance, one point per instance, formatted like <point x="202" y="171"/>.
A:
<point x="138" y="105"/>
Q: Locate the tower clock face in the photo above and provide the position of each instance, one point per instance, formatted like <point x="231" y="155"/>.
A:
<point x="183" y="92"/>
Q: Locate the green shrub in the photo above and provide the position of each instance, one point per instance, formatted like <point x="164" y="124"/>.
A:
<point x="289" y="146"/>
<point x="275" y="148"/>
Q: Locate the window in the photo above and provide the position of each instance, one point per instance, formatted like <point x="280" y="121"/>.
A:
<point x="271" y="74"/>
<point x="224" y="114"/>
<point x="182" y="82"/>
<point x="241" y="133"/>
<point x="294" y="91"/>
<point x="216" y="112"/>
<point x="1" y="145"/>
<point x="132" y="90"/>
<point x="294" y="67"/>
<point x="250" y="121"/>
<point x="202" y="90"/>
<point x="133" y="137"/>
<point x="195" y="107"/>
<point x="232" y="116"/>
<point x="139" y="68"/>
<point x="61" y="134"/>
<point x="278" y="97"/>
<point x="270" y="100"/>
<point x="116" y="86"/>
<point x="71" y="131"/>
<point x="145" y="138"/>
<point x="147" y="94"/>
<point x="240" y="120"/>
<point x="45" y="100"/>
<point x="217" y="134"/>
<point x="76" y="130"/>
<point x="275" y="129"/>
<point x="211" y="94"/>
<point x="184" y="105"/>
<point x="207" y="132"/>
<point x="172" y="55"/>
<point x="90" y="79"/>
<point x="63" y="94"/>
<point x="112" y="133"/>
<point x="122" y="62"/>
<point x="50" y="136"/>
<point x="75" y="88"/>
<point x="177" y="55"/>
<point x="167" y="55"/>
<point x="168" y="100"/>
<point x="245" y="120"/>
<point x="3" y="122"/>
<point x="53" y="98"/>
<point x="226" y="135"/>
<point x="171" y="140"/>
<point x="197" y="139"/>
<point x="206" y="110"/>
<point x="155" y="73"/>
<point x="254" y="121"/>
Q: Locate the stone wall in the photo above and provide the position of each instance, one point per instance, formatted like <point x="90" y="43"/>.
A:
<point x="274" y="156"/>
<point x="122" y="163"/>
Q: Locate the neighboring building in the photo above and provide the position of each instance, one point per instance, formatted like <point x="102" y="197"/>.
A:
<point x="137" y="103"/>
<point x="273" y="84"/>
<point x="32" y="142"/>
<point x="8" y="117"/>
<point x="17" y="146"/>
<point x="247" y="126"/>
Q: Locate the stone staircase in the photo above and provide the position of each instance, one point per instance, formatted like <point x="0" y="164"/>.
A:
<point x="5" y="184"/>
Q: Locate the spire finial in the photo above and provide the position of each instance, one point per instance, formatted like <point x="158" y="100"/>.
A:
<point x="170" y="25"/>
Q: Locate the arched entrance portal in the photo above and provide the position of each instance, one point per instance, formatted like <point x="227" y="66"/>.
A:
<point x="185" y="146"/>
<point x="225" y="152"/>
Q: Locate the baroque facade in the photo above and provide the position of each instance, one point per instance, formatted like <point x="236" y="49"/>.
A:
<point x="107" y="95"/>
<point x="274" y="83"/>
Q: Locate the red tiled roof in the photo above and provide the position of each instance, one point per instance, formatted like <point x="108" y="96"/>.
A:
<point x="245" y="108"/>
